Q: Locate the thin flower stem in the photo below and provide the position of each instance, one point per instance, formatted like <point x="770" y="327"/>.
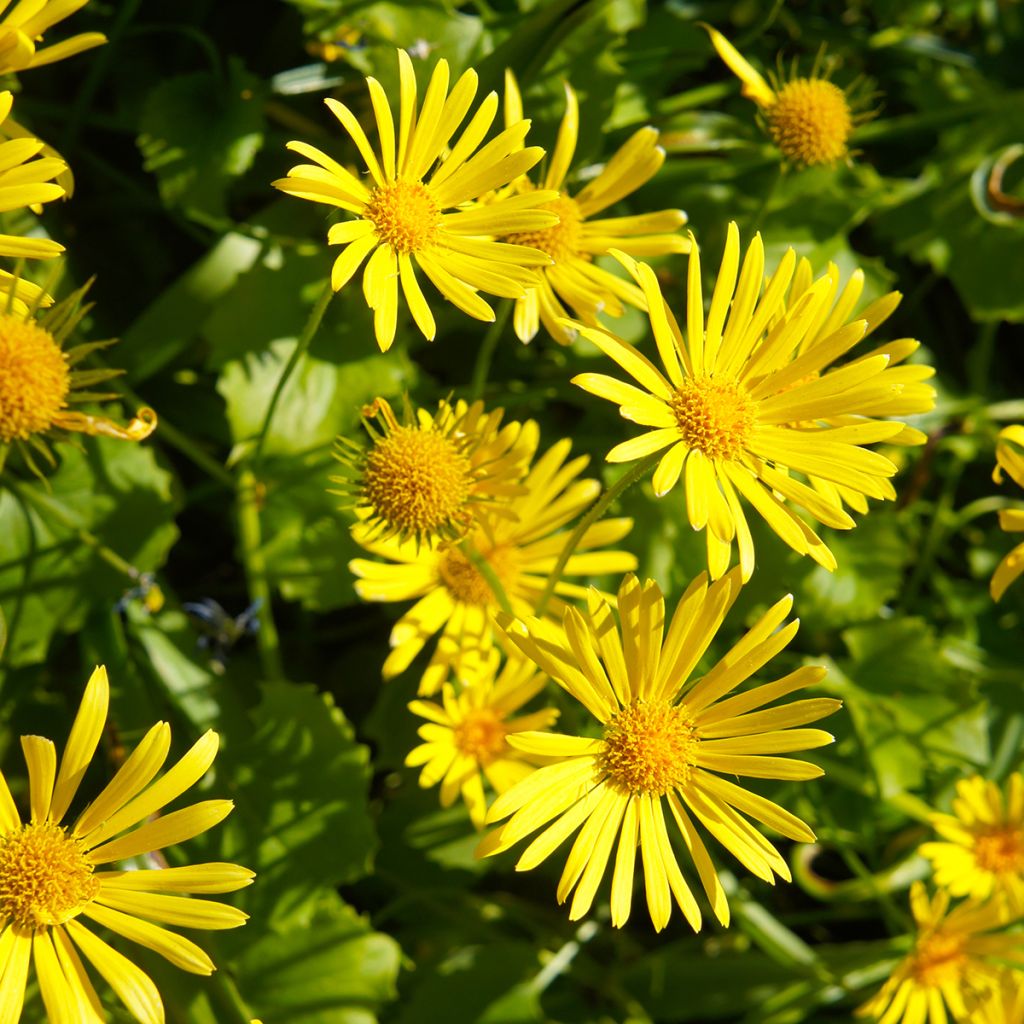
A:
<point x="249" y="499"/>
<point x="597" y="510"/>
<point x="316" y="315"/>
<point x="485" y="354"/>
<point x="486" y="570"/>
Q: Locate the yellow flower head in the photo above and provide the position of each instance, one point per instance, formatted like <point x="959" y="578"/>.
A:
<point x="664" y="740"/>
<point x="577" y="240"/>
<point x="40" y="380"/>
<point x="1008" y="458"/>
<point x="520" y="548"/>
<point x="429" y="479"/>
<point x="810" y="119"/>
<point x="466" y="736"/>
<point x="413" y="214"/>
<point x="750" y="405"/>
<point x="22" y="27"/>
<point x="955" y="960"/>
<point x="56" y="873"/>
<point x="982" y="851"/>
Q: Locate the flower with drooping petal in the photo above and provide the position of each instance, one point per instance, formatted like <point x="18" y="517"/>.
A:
<point x="751" y="406"/>
<point x="23" y="25"/>
<point x="956" y="960"/>
<point x="429" y="479"/>
<point x="982" y="846"/>
<point x="1010" y="519"/>
<point x="576" y="241"/>
<point x="466" y="735"/>
<point x="809" y="118"/>
<point x="57" y="871"/>
<point x="415" y="210"/>
<point x="666" y="739"/>
<point x="454" y="597"/>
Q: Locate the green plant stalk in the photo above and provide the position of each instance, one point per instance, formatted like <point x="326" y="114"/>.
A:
<point x="595" y="512"/>
<point x="316" y="315"/>
<point x="485" y="354"/>
<point x="486" y="570"/>
<point x="251" y="539"/>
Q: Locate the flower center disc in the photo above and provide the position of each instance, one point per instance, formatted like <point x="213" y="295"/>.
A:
<point x="562" y="241"/>
<point x="405" y="215"/>
<point x="810" y="121"/>
<point x="44" y="876"/>
<point x="34" y="379"/>
<point x="416" y="481"/>
<point x="649" y="748"/>
<point x="466" y="584"/>
<point x="481" y="735"/>
<point x="1001" y="851"/>
<point x="715" y="418"/>
<point x="938" y="960"/>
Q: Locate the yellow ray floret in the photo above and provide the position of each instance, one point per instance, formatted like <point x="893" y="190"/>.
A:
<point x="466" y="736"/>
<point x="666" y="739"/>
<point x="958" y="957"/>
<point x="57" y="871"/>
<point x="1008" y="458"/>
<point x="414" y="212"/>
<point x="22" y="27"/>
<point x="520" y="548"/>
<point x="750" y="408"/>
<point x="579" y="237"/>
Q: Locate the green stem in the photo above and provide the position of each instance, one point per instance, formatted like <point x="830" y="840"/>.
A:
<point x="595" y="512"/>
<point x="1008" y="750"/>
<point x="316" y="315"/>
<point x="47" y="505"/>
<point x="756" y="223"/>
<point x="249" y="497"/>
<point x="231" y="1007"/>
<point x="486" y="570"/>
<point x="485" y="354"/>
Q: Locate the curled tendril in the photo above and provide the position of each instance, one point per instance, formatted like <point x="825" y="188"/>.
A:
<point x="138" y="429"/>
<point x="990" y="200"/>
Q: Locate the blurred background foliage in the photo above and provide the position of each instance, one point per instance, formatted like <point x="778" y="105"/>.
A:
<point x="369" y="904"/>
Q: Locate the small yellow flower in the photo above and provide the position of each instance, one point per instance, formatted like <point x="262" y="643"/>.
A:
<point x="39" y="380"/>
<point x="664" y="740"/>
<point x="520" y="547"/>
<point x="1010" y="519"/>
<point x="416" y="208"/>
<point x="810" y="119"/>
<point x="54" y="875"/>
<point x="429" y="479"/>
<point x="955" y="960"/>
<point x="983" y="848"/>
<point x="750" y="405"/>
<point x="466" y="736"/>
<point x="577" y="240"/>
<point x="23" y="27"/>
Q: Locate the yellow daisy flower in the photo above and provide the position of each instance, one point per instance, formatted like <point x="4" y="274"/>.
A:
<point x="402" y="218"/>
<point x="22" y="27"/>
<point x="810" y="119"/>
<point x="429" y="479"/>
<point x="39" y="380"/>
<point x="744" y="409"/>
<point x="983" y="847"/>
<point x="955" y="960"/>
<point x="1010" y="519"/>
<point x="454" y="597"/>
<point x="54" y="875"/>
<point x="466" y="736"/>
<point x="577" y="240"/>
<point x="663" y="740"/>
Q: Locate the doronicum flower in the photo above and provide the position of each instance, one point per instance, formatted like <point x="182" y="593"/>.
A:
<point x="466" y="736"/>
<point x="578" y="239"/>
<point x="810" y="119"/>
<point x="1010" y="519"/>
<point x="751" y="407"/>
<point x="956" y="959"/>
<point x="982" y="846"/>
<point x="455" y="598"/>
<point x="430" y="478"/>
<point x="415" y="210"/>
<point x="58" y="871"/>
<point x="22" y="27"/>
<point x="40" y="380"/>
<point x="666" y="740"/>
